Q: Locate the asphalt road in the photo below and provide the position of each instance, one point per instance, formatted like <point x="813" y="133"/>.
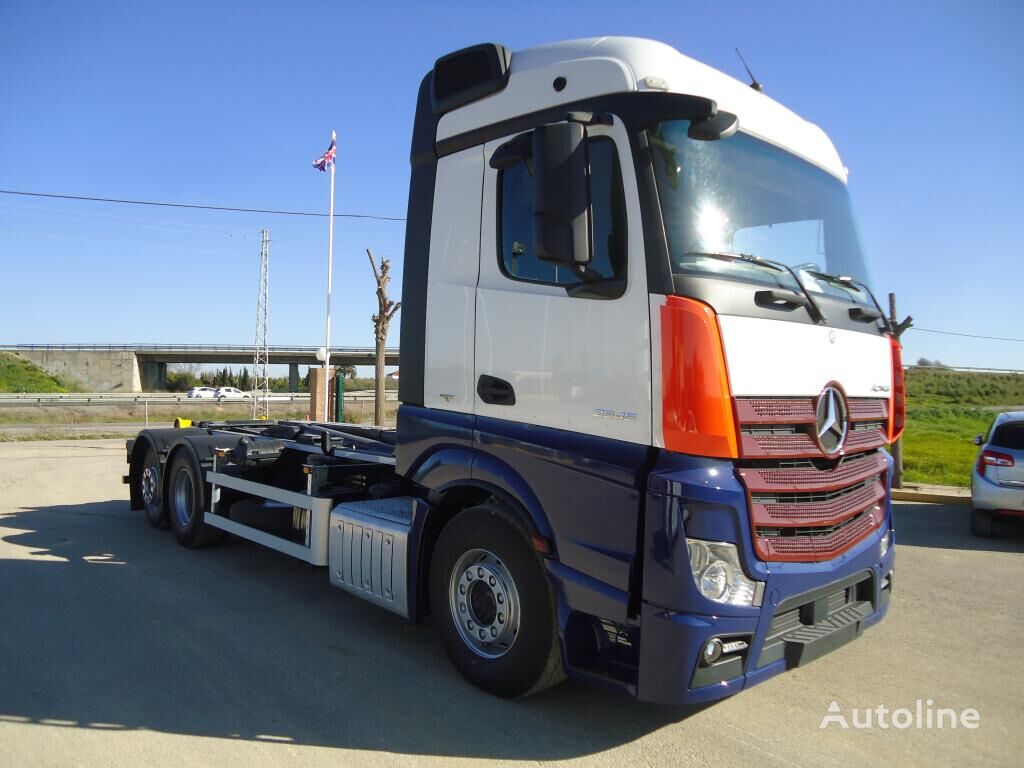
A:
<point x="119" y="648"/>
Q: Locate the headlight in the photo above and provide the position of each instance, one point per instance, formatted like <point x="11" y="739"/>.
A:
<point x="883" y="546"/>
<point x="718" y="574"/>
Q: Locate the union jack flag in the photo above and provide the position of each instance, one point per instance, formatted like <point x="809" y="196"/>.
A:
<point x="326" y="160"/>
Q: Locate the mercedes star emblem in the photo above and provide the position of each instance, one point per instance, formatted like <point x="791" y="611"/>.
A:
<point x="831" y="422"/>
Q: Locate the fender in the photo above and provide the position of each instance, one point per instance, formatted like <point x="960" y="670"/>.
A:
<point x="455" y="466"/>
<point x="162" y="440"/>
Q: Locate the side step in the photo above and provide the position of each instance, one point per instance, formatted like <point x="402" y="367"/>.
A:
<point x="373" y="550"/>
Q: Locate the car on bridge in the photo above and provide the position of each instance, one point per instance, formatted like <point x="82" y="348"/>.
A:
<point x="208" y="392"/>
<point x="231" y="393"/>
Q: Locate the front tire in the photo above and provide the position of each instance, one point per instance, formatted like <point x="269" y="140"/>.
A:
<point x="493" y="605"/>
<point x="186" y="502"/>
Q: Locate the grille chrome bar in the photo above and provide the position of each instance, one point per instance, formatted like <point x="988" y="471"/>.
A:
<point x="798" y="514"/>
<point x="852" y="469"/>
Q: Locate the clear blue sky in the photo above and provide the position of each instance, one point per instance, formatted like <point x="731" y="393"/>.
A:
<point x="228" y="103"/>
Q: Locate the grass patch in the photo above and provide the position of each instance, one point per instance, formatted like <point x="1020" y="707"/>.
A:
<point x="938" y="445"/>
<point x="934" y="387"/>
<point x="945" y="410"/>
<point x="18" y="375"/>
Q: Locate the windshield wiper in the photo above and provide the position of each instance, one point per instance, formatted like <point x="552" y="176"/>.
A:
<point x="812" y="306"/>
<point x="856" y="313"/>
<point x="746" y="257"/>
<point x="843" y="281"/>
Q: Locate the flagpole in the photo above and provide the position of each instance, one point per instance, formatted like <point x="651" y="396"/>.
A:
<point x="330" y="278"/>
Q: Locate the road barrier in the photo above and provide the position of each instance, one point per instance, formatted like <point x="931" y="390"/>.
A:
<point x="160" y="398"/>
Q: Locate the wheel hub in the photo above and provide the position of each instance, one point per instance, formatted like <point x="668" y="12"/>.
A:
<point x="484" y="603"/>
<point x="184" y="498"/>
<point x="149" y="484"/>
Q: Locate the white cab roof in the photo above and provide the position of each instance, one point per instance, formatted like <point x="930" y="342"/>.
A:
<point x="605" y="65"/>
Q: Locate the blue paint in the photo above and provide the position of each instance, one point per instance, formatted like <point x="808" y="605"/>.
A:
<point x="618" y="516"/>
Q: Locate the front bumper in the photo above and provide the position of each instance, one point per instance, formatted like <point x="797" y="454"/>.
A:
<point x="796" y="625"/>
<point x="807" y="610"/>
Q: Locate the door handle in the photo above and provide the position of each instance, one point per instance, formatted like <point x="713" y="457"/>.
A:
<point x="495" y="391"/>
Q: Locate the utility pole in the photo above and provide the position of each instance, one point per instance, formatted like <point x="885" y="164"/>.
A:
<point x="386" y="310"/>
<point x="261" y="353"/>
<point x="898" y="328"/>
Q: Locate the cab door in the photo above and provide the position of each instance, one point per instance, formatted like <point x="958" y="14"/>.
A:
<point x="556" y="346"/>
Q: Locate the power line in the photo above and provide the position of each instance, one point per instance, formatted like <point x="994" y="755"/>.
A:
<point x="197" y="206"/>
<point x="967" y="335"/>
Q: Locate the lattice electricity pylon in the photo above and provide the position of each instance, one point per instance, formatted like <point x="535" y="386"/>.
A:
<point x="261" y="355"/>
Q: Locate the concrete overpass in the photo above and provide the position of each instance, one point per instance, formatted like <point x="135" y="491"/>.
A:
<point x="143" y="367"/>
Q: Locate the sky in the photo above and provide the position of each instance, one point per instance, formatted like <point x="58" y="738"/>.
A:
<point x="227" y="103"/>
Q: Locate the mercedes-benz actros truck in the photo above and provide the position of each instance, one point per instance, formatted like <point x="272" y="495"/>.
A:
<point x="645" y="394"/>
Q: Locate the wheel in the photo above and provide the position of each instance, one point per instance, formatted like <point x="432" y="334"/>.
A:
<point x="149" y="490"/>
<point x="186" y="500"/>
<point x="981" y="522"/>
<point x="493" y="604"/>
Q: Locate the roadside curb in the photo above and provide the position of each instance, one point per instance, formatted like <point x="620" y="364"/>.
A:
<point x="933" y="494"/>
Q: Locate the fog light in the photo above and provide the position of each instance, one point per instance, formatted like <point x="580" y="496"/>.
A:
<point x="712" y="651"/>
<point x="735" y="646"/>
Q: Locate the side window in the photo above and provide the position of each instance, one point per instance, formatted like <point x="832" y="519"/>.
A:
<point x="608" y="222"/>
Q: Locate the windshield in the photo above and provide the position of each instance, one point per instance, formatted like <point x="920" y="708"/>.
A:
<point x="741" y="195"/>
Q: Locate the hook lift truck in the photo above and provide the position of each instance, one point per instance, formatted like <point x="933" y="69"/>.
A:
<point x="645" y="397"/>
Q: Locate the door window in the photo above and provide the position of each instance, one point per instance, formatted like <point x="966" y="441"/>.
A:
<point x="608" y="223"/>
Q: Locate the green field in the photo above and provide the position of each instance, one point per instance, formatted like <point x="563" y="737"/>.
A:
<point x="945" y="410"/>
<point x="17" y="375"/>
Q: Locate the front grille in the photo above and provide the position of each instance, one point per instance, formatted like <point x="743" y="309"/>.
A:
<point x="804" y="505"/>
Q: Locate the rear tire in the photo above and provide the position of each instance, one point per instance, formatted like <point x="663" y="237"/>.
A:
<point x="186" y="502"/>
<point x="150" y="492"/>
<point x="982" y="522"/>
<point x="493" y="604"/>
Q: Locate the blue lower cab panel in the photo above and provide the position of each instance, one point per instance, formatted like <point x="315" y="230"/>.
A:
<point x="808" y="611"/>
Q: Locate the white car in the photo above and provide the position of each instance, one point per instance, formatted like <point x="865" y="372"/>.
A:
<point x="208" y="392"/>
<point x="230" y="393"/>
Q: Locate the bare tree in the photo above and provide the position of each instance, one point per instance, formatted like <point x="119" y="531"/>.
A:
<point x="386" y="310"/>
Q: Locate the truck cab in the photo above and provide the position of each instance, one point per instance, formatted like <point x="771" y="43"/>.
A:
<point x="636" y="312"/>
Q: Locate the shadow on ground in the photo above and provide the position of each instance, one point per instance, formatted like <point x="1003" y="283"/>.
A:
<point x="945" y="526"/>
<point x="108" y="624"/>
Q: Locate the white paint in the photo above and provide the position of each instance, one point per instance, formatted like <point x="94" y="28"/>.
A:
<point x="779" y="358"/>
<point x="598" y="66"/>
<point x="567" y="357"/>
<point x="448" y="381"/>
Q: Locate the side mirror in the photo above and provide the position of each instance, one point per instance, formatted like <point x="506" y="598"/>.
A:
<point x="721" y="125"/>
<point x="561" y="204"/>
<point x="979" y="440"/>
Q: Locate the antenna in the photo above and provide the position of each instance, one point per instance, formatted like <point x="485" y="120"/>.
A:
<point x="753" y="80"/>
<point x="261" y="355"/>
